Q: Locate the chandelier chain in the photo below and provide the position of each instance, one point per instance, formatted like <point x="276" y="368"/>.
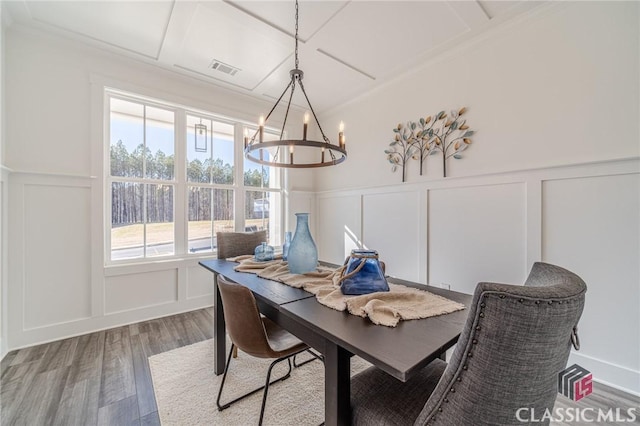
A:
<point x="252" y="147"/>
<point x="296" y="52"/>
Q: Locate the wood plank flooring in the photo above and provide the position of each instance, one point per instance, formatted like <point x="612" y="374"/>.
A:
<point x="100" y="378"/>
<point x="103" y="378"/>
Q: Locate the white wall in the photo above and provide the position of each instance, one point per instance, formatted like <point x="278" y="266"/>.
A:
<point x="57" y="284"/>
<point x="3" y="203"/>
<point x="553" y="173"/>
<point x="558" y="86"/>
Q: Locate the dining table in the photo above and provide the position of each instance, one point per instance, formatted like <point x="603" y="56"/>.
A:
<point x="400" y="351"/>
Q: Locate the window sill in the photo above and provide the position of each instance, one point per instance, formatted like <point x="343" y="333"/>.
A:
<point x="147" y="265"/>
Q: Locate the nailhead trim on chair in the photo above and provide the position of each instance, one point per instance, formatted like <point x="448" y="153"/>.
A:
<point x="465" y="367"/>
<point x="474" y="341"/>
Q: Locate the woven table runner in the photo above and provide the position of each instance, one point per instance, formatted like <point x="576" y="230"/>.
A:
<point x="382" y="308"/>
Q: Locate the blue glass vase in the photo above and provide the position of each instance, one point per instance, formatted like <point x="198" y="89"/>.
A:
<point x="263" y="252"/>
<point x="286" y="245"/>
<point x="303" y="254"/>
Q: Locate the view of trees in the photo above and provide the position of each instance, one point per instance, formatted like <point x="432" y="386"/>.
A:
<point x="128" y="198"/>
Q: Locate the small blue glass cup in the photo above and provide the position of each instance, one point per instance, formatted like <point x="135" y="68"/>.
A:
<point x="263" y="252"/>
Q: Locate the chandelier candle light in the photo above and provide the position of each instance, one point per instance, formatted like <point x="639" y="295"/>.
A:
<point x="254" y="149"/>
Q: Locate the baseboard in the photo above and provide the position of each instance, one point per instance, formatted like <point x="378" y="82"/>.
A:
<point x="32" y="337"/>
<point x="612" y="375"/>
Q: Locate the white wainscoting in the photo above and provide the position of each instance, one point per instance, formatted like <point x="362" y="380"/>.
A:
<point x="477" y="233"/>
<point x="56" y="262"/>
<point x="199" y="283"/>
<point x="392" y="226"/>
<point x="463" y="230"/>
<point x="592" y="224"/>
<point x="57" y="290"/>
<point x="456" y="231"/>
<point x="4" y="278"/>
<point x="340" y="222"/>
<point x="135" y="291"/>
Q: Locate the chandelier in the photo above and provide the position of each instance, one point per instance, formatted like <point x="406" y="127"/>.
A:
<point x="282" y="152"/>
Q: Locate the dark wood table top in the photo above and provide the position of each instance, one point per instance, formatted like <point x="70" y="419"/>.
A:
<point x="400" y="350"/>
<point x="272" y="291"/>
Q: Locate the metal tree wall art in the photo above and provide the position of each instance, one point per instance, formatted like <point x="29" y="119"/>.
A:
<point x="448" y="134"/>
<point x="401" y="148"/>
<point x="442" y="133"/>
<point x="422" y="141"/>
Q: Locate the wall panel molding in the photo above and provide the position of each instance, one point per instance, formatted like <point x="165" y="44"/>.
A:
<point x="54" y="279"/>
<point x="597" y="168"/>
<point x="592" y="227"/>
<point x="89" y="301"/>
<point x="391" y="225"/>
<point x="580" y="216"/>
<point x="477" y="234"/>
<point x="49" y="177"/>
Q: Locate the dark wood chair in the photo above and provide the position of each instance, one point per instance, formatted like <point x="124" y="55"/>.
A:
<point x="254" y="334"/>
<point x="515" y="342"/>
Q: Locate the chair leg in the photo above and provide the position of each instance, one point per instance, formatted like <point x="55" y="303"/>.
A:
<point x="266" y="385"/>
<point x="235" y="352"/>
<point x="224" y="377"/>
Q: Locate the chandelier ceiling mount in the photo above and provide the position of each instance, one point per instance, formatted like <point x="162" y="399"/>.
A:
<point x="281" y="152"/>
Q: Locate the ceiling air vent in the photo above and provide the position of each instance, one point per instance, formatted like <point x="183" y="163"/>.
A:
<point x="223" y="68"/>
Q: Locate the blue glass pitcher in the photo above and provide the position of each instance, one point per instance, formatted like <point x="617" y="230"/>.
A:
<point x="363" y="273"/>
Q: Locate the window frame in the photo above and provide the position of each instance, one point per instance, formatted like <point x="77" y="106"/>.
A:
<point x="180" y="182"/>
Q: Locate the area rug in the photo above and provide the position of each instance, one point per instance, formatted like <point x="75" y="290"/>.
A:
<point x="186" y="388"/>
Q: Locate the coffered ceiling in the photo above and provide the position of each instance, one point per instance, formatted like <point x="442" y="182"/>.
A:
<point x="346" y="47"/>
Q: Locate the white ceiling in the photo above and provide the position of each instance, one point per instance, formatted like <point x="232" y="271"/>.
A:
<point x="346" y="47"/>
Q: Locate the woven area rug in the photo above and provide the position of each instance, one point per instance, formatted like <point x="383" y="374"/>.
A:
<point x="186" y="389"/>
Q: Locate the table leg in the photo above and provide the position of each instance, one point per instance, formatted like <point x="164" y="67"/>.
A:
<point x="219" y="330"/>
<point x="337" y="386"/>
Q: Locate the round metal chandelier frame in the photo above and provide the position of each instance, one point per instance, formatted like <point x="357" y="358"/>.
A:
<point x="329" y="154"/>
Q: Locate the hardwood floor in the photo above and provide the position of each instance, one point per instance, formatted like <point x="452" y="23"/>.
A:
<point x="103" y="378"/>
<point x="100" y="378"/>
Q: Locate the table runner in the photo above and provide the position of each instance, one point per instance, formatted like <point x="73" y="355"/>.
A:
<point x="382" y="308"/>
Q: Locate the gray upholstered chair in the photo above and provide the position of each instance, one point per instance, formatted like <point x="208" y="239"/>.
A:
<point x="515" y="342"/>
<point x="232" y="244"/>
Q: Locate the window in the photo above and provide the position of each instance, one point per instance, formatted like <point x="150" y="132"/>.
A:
<point x="177" y="176"/>
<point x="263" y="199"/>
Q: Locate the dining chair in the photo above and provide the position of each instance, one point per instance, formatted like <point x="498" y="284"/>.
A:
<point x="254" y="334"/>
<point x="516" y="340"/>
<point x="232" y="244"/>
